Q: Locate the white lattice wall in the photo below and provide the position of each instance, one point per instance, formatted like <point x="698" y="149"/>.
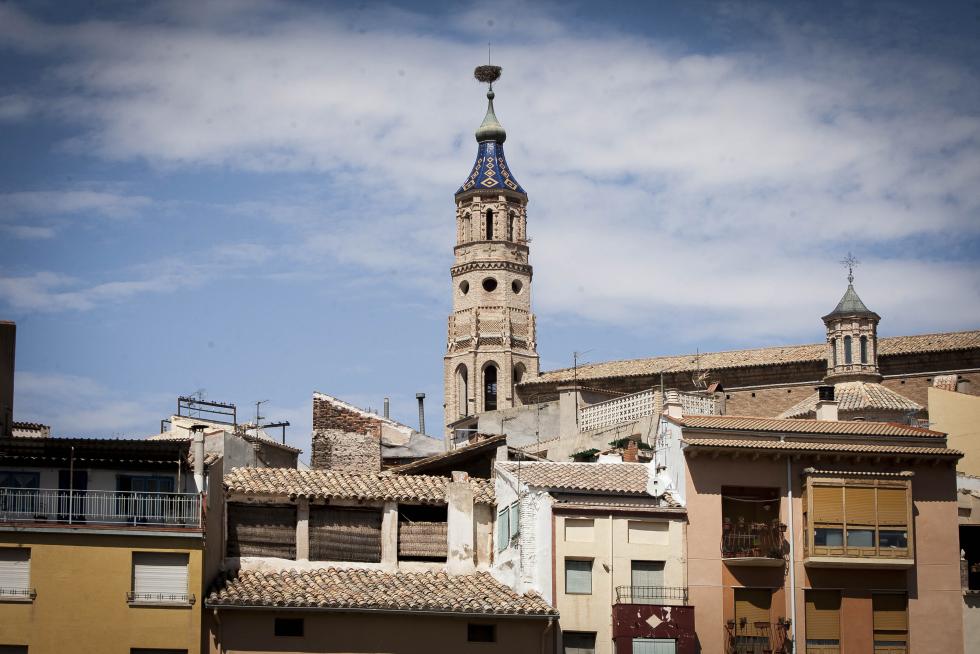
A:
<point x="613" y="412"/>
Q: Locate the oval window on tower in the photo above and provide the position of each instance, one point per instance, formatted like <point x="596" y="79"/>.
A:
<point x="516" y="286"/>
<point x="464" y="287"/>
<point x="489" y="284"/>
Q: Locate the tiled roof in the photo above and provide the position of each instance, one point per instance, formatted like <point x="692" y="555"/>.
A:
<point x="321" y="484"/>
<point x="332" y="588"/>
<point x="856" y="396"/>
<point x="860" y="448"/>
<point x="484" y="446"/>
<point x="850" y="305"/>
<point x="766" y="356"/>
<point x="781" y="425"/>
<point x="622" y="502"/>
<point x="622" y="478"/>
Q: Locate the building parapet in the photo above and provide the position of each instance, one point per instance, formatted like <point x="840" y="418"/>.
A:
<point x="632" y="407"/>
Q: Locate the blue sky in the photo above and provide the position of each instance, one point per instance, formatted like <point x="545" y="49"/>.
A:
<point x="255" y="198"/>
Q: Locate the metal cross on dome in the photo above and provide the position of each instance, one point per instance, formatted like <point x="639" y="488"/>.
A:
<point x="850" y="261"/>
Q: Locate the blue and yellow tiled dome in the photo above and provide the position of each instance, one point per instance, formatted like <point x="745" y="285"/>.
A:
<point x="490" y="172"/>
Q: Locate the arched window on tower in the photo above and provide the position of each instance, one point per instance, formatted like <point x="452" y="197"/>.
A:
<point x="462" y="392"/>
<point x="489" y="221"/>
<point x="490" y="387"/>
<point x="847" y="349"/>
<point x="864" y="349"/>
<point x="467" y="234"/>
<point x="511" y="226"/>
<point x="833" y="352"/>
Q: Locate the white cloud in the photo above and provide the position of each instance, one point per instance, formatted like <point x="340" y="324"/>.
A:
<point x="74" y="405"/>
<point x="69" y="202"/>
<point x="665" y="184"/>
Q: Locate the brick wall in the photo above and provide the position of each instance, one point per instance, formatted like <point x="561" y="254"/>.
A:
<point x="344" y="439"/>
<point x="342" y="451"/>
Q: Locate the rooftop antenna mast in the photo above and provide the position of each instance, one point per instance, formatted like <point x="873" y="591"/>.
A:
<point x="575" y="357"/>
<point x="258" y="418"/>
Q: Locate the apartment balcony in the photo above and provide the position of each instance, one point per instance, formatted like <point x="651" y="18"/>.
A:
<point x="744" y="637"/>
<point x="758" y="544"/>
<point x="656" y="595"/>
<point x="49" y="507"/>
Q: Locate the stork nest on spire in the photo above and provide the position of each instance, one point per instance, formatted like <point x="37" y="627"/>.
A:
<point x="487" y="74"/>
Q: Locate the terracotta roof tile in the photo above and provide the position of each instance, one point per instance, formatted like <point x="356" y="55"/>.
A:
<point x="793" y="426"/>
<point x="802" y="446"/>
<point x="766" y="356"/>
<point x="321" y="484"/>
<point x="624" y="478"/>
<point x="856" y="396"/>
<point x="332" y="588"/>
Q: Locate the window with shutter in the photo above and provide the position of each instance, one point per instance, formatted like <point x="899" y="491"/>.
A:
<point x="503" y="529"/>
<point x="859" y="518"/>
<point x="893" y="506"/>
<point x="515" y="519"/>
<point x="261" y="530"/>
<point x="578" y="577"/>
<point x="15" y="572"/>
<point x="890" y="623"/>
<point x="859" y="513"/>
<point x="822" y="622"/>
<point x="160" y="577"/>
<point x="578" y="642"/>
<point x="345" y="534"/>
<point x="828" y="504"/>
<point x="752" y="616"/>
<point x="654" y="646"/>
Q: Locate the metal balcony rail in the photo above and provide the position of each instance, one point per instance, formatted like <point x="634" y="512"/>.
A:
<point x="742" y="539"/>
<point x="663" y="595"/>
<point x="17" y="594"/>
<point x="743" y="637"/>
<point x="97" y="507"/>
<point x="159" y="598"/>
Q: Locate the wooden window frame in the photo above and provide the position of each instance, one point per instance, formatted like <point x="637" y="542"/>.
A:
<point x="876" y="552"/>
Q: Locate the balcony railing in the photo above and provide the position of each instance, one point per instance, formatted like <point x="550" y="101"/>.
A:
<point x="160" y="598"/>
<point x="742" y="637"/>
<point x="96" y="507"/>
<point x="17" y="594"/>
<point x="660" y="595"/>
<point x="741" y="539"/>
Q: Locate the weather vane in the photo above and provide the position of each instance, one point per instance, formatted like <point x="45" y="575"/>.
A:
<point x="850" y="261"/>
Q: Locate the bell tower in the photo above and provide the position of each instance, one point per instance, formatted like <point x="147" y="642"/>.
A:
<point x="491" y="341"/>
<point x="852" y="336"/>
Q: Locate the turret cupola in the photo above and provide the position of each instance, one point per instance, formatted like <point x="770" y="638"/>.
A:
<point x="852" y="337"/>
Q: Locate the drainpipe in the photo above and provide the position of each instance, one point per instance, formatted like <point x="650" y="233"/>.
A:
<point x="421" y="398"/>
<point x="792" y="547"/>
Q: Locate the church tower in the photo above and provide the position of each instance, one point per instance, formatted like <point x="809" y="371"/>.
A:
<point x="852" y="337"/>
<point x="491" y="342"/>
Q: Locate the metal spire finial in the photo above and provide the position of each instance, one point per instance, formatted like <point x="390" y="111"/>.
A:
<point x="850" y="261"/>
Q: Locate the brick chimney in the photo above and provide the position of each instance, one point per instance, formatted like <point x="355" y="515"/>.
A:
<point x="631" y="453"/>
<point x="826" y="404"/>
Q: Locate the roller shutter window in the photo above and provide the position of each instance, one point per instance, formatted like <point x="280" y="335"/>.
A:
<point x="828" y="504"/>
<point x="515" y="519"/>
<point x="893" y="521"/>
<point x="891" y="625"/>
<point x="752" y="611"/>
<point x="160" y="577"/>
<point x="822" y="622"/>
<point x="15" y="570"/>
<point x="654" y="646"/>
<point x="342" y="534"/>
<point x="859" y="507"/>
<point x="578" y="577"/>
<point x="262" y="530"/>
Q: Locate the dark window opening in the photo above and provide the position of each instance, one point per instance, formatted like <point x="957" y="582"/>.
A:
<point x="578" y="642"/>
<point x="833" y="351"/>
<point x="490" y="388"/>
<point x="489" y="284"/>
<point x="970" y="545"/>
<point x="489" y="224"/>
<point x="510" y="226"/>
<point x="864" y="349"/>
<point x="847" y="350"/>
<point x="289" y="627"/>
<point x="481" y="633"/>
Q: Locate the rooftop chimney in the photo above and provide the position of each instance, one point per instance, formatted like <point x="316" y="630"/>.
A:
<point x="387" y="407"/>
<point x="826" y="404"/>
<point x="421" y="398"/>
<point x="197" y="451"/>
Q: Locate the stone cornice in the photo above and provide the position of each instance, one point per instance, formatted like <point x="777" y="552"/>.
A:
<point x="470" y="266"/>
